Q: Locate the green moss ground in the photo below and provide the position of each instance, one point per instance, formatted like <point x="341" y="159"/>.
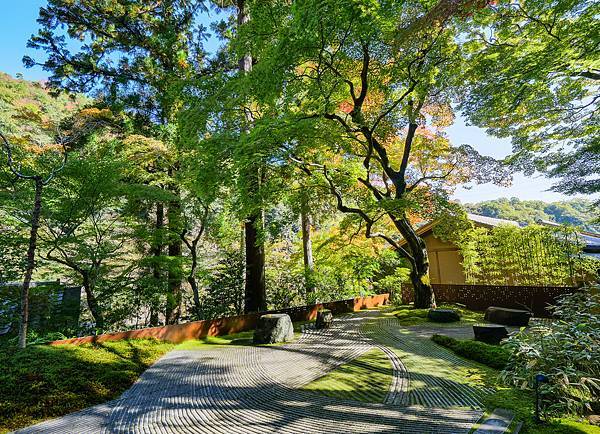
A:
<point x="409" y="316"/>
<point x="522" y="403"/>
<point x="366" y="379"/>
<point x="43" y="382"/>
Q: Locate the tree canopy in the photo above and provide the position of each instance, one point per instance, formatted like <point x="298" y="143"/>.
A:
<point x="295" y="162"/>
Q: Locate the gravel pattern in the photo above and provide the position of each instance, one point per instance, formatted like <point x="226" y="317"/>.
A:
<point x="256" y="389"/>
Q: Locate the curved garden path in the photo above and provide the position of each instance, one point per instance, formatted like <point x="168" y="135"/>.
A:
<point x="257" y="389"/>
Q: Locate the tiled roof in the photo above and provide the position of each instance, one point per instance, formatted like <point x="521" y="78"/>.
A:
<point x="490" y="221"/>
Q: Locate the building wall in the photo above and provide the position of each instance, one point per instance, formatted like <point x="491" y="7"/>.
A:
<point x="444" y="261"/>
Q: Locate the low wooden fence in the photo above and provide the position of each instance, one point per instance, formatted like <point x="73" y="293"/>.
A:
<point x="480" y="297"/>
<point x="228" y="325"/>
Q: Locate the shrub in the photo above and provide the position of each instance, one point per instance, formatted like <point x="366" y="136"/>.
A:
<point x="491" y="355"/>
<point x="566" y="350"/>
<point x="42" y="382"/>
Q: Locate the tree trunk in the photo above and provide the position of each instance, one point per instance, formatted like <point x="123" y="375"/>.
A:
<point x="254" y="288"/>
<point x="419" y="275"/>
<point x="307" y="245"/>
<point x="157" y="250"/>
<point x="173" y="309"/>
<point x="254" y="293"/>
<point x="35" y="224"/>
<point x="92" y="302"/>
<point x="193" y="283"/>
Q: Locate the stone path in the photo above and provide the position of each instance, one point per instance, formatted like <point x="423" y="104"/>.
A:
<point x="231" y="389"/>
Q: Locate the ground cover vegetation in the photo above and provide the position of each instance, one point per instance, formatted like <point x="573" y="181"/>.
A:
<point x="493" y="356"/>
<point x="42" y="382"/>
<point x="366" y="378"/>
<point x="408" y="315"/>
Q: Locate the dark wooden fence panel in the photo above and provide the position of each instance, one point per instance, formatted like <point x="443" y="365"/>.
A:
<point x="480" y="297"/>
<point x="53" y="307"/>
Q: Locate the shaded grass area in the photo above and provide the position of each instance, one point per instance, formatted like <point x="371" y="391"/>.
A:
<point x="521" y="402"/>
<point x="408" y="315"/>
<point x="493" y="356"/>
<point x="43" y="382"/>
<point x="366" y="379"/>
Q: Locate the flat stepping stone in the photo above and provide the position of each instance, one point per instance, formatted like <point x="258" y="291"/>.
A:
<point x="506" y="316"/>
<point x="497" y="422"/>
<point x="489" y="333"/>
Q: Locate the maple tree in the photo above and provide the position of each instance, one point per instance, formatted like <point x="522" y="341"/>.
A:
<point x="359" y="95"/>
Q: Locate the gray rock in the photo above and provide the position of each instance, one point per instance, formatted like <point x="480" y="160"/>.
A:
<point x="273" y="328"/>
<point x="505" y="316"/>
<point x="324" y="319"/>
<point x="489" y="333"/>
<point x="594" y="419"/>
<point x="443" y="315"/>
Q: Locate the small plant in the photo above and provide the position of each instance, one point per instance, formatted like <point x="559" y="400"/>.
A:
<point x="491" y="355"/>
<point x="566" y="350"/>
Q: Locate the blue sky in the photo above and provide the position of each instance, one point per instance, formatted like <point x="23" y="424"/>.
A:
<point x="18" y="23"/>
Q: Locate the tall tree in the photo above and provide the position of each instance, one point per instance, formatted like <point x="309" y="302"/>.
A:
<point x="340" y="75"/>
<point x="34" y="150"/>
<point x="40" y="180"/>
<point x="135" y="56"/>
<point x="85" y="228"/>
<point x="255" y="290"/>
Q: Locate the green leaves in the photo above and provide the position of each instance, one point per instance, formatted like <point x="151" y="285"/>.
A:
<point x="531" y="255"/>
<point x="565" y="350"/>
<point x="534" y="75"/>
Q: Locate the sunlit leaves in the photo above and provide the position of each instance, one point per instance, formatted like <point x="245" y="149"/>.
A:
<point x="533" y="77"/>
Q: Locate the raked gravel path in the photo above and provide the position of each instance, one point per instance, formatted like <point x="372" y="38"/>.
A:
<point x="257" y="389"/>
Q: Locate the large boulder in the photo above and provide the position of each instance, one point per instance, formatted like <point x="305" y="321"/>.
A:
<point x="490" y="333"/>
<point x="324" y="319"/>
<point x="505" y="316"/>
<point x="273" y="328"/>
<point x="443" y="315"/>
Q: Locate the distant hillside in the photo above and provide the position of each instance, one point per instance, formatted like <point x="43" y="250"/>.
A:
<point x="576" y="212"/>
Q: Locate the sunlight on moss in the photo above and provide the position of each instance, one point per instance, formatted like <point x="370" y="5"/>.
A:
<point x="366" y="378"/>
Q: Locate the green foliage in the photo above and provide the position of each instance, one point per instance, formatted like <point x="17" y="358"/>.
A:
<point x="54" y="308"/>
<point x="13" y="238"/>
<point x="223" y="293"/>
<point x="366" y="378"/>
<point x="42" y="382"/>
<point x="321" y="122"/>
<point x="491" y="355"/>
<point x="566" y="350"/>
<point x="539" y="86"/>
<point x="522" y="403"/>
<point x="533" y="255"/>
<point x="344" y="268"/>
<point x="575" y="212"/>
